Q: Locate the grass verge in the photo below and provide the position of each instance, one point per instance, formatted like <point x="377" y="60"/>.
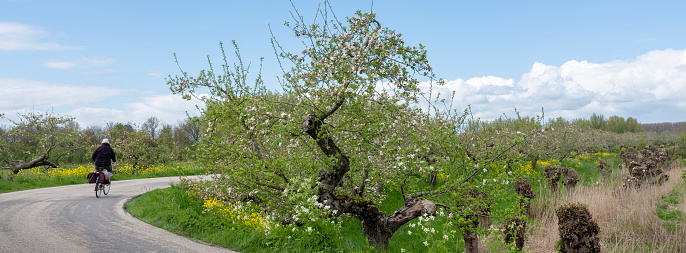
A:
<point x="175" y="210"/>
<point x="669" y="209"/>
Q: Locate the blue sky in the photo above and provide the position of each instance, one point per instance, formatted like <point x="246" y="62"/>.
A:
<point x="106" y="61"/>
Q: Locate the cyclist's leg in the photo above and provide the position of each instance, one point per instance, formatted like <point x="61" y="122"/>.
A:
<point x="97" y="180"/>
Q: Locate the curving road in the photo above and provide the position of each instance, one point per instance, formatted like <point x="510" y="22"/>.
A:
<point x="71" y="219"/>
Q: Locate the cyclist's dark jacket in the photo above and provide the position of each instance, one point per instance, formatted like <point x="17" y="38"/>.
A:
<point x="102" y="156"/>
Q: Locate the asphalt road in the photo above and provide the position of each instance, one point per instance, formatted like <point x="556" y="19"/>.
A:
<point x="71" y="219"/>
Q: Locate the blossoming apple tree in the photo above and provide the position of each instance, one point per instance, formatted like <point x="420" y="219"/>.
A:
<point x="344" y="132"/>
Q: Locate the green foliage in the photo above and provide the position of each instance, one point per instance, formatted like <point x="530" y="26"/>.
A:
<point x="148" y="145"/>
<point x="257" y="135"/>
<point x="681" y="146"/>
<point x="615" y="124"/>
<point x="39" y="135"/>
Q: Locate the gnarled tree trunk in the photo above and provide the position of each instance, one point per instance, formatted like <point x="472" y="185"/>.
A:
<point x="40" y="161"/>
<point x="377" y="227"/>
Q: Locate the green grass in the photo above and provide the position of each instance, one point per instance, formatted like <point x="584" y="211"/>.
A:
<point x="175" y="210"/>
<point x="76" y="174"/>
<point x="668" y="209"/>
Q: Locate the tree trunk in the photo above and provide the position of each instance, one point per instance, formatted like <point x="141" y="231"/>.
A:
<point x="432" y="178"/>
<point x="377" y="227"/>
<point x="471" y="239"/>
<point x="514" y="232"/>
<point x="553" y="174"/>
<point x="484" y="212"/>
<point x="484" y="221"/>
<point x="378" y="235"/>
<point x="523" y="188"/>
<point x="40" y="161"/>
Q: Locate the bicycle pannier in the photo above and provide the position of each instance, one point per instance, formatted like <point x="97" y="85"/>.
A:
<point x="92" y="177"/>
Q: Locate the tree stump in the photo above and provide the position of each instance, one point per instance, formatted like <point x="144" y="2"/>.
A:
<point x="631" y="182"/>
<point x="553" y="175"/>
<point x="663" y="179"/>
<point x="604" y="169"/>
<point x="578" y="230"/>
<point x="514" y="232"/>
<point x="523" y="188"/>
<point x="571" y="179"/>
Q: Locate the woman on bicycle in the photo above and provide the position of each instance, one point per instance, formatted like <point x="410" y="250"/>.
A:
<point x="103" y="156"/>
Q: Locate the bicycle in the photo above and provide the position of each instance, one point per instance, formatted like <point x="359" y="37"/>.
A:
<point x="104" y="187"/>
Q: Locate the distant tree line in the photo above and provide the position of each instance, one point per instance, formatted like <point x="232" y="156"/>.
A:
<point x="614" y="123"/>
<point x="43" y="139"/>
<point x="665" y="126"/>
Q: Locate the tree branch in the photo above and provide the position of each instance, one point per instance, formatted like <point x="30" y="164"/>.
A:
<point x="496" y="157"/>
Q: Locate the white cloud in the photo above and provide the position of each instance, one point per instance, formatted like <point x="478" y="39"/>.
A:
<point x="153" y="73"/>
<point x="87" y="116"/>
<point x="58" y="64"/>
<point x="486" y="81"/>
<point x="19" y="94"/>
<point x="90" y="105"/>
<point x="168" y="108"/>
<point x="16" y="36"/>
<point x="83" y="62"/>
<point x="650" y="87"/>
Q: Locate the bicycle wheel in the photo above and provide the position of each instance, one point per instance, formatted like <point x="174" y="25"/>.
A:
<point x="98" y="189"/>
<point x="106" y="189"/>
